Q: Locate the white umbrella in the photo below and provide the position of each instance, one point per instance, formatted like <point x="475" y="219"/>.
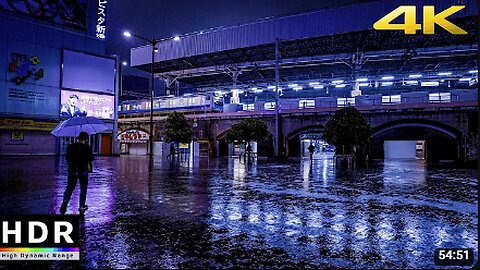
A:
<point x="73" y="126"/>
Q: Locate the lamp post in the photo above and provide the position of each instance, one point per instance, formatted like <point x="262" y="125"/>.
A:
<point x="124" y="64"/>
<point x="153" y="42"/>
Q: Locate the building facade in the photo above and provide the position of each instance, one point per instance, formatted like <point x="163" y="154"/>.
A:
<point x="49" y="65"/>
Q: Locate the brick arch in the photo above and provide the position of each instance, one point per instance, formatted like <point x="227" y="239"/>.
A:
<point x="265" y="147"/>
<point x="221" y="135"/>
<point x="305" y="129"/>
<point x="434" y="125"/>
<point x="443" y="142"/>
<point x="292" y="140"/>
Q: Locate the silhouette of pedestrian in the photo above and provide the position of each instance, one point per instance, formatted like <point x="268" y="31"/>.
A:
<point x="311" y="149"/>
<point x="249" y="150"/>
<point x="172" y="151"/>
<point x="79" y="158"/>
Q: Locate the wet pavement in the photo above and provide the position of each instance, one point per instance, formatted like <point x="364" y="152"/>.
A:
<point x="260" y="214"/>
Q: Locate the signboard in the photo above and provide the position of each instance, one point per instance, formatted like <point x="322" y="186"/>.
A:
<point x="17" y="136"/>
<point x="101" y="28"/>
<point x="76" y="104"/>
<point x="133" y="136"/>
<point x="25" y="124"/>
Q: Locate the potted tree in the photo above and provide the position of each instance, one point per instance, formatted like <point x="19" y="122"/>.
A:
<point x="246" y="131"/>
<point x="349" y="132"/>
<point x="177" y="130"/>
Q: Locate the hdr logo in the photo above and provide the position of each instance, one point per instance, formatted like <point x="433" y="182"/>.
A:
<point x="430" y="19"/>
<point x="39" y="237"/>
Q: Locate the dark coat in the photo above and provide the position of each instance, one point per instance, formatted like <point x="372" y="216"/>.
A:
<point x="78" y="157"/>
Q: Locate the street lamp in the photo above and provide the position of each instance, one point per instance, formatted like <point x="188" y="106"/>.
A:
<point x="153" y="42"/>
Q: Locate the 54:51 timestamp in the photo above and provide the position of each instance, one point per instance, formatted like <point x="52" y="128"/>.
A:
<point x="453" y="256"/>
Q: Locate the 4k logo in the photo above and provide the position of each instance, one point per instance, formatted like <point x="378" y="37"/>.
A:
<point x="430" y="19"/>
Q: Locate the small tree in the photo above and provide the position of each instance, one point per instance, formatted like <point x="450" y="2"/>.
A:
<point x="347" y="130"/>
<point x="247" y="130"/>
<point x="177" y="129"/>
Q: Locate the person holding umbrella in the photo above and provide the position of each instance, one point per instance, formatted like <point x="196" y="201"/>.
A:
<point x="79" y="157"/>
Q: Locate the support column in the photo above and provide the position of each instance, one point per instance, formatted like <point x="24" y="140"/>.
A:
<point x="234" y="72"/>
<point x="357" y="63"/>
<point x="277" y="136"/>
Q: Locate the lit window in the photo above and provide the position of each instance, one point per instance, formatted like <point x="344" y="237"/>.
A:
<point x="439" y="97"/>
<point x="249" y="107"/>
<point x="269" y="106"/>
<point x="390" y="100"/>
<point x="306" y="103"/>
<point x="345" y="102"/>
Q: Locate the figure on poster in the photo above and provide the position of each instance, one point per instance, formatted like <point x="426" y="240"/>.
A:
<point x="70" y="108"/>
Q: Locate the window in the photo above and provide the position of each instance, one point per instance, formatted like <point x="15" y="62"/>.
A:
<point x="269" y="106"/>
<point x="439" y="97"/>
<point x="306" y="104"/>
<point x="249" y="107"/>
<point x="137" y="106"/>
<point x="391" y="100"/>
<point x="345" y="102"/>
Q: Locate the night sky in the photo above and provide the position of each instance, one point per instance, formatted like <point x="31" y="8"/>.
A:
<point x="161" y="18"/>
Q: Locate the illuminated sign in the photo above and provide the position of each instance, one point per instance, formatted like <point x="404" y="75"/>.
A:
<point x="77" y="104"/>
<point x="101" y="19"/>
<point x="133" y="136"/>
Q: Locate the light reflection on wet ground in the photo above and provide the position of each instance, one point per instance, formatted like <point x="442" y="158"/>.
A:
<point x="232" y="213"/>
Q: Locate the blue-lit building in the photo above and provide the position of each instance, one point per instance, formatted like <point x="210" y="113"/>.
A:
<point x="50" y="53"/>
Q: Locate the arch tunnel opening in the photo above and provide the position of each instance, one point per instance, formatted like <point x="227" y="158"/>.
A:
<point x="415" y="142"/>
<point x="432" y="142"/>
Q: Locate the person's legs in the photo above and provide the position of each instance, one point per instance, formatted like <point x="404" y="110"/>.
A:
<point x="72" y="182"/>
<point x="83" y="190"/>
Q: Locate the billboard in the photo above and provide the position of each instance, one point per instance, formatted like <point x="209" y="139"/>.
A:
<point x="76" y="104"/>
<point x="88" y="72"/>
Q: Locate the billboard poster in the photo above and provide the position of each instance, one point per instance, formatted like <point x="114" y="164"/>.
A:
<point x="77" y="104"/>
<point x="87" y="72"/>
